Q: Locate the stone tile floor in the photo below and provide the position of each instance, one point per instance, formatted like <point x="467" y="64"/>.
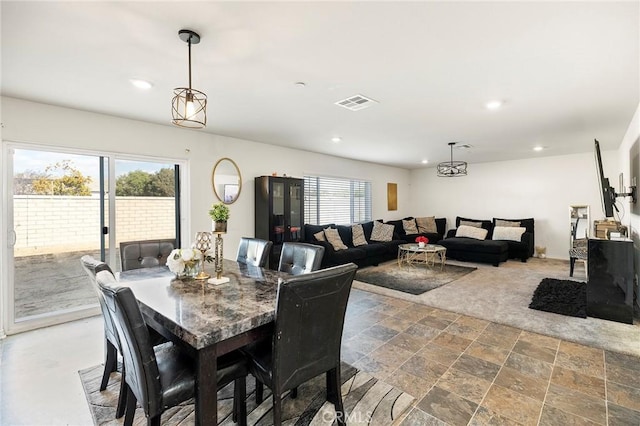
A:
<point x="467" y="371"/>
<point x="461" y="370"/>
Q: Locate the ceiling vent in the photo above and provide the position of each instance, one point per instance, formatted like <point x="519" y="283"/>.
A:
<point x="356" y="102"/>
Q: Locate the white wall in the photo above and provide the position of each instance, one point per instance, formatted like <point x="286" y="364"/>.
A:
<point x="42" y="124"/>
<point x="632" y="220"/>
<point x="542" y="188"/>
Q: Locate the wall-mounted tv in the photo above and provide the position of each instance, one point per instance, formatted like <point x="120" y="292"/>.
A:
<point x="607" y="193"/>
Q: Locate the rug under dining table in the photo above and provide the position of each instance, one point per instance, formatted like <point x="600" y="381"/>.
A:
<point x="367" y="401"/>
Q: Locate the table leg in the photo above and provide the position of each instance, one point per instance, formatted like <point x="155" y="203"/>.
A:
<point x="206" y="397"/>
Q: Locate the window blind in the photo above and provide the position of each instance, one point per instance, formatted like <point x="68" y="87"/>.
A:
<point x="336" y="200"/>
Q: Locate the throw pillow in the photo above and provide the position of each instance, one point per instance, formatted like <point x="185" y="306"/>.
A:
<point x="382" y="232"/>
<point x="510" y="233"/>
<point x="427" y="225"/>
<point x="508" y="223"/>
<point x="358" y="235"/>
<point x="471" y="232"/>
<point x="333" y="237"/>
<point x="468" y="223"/>
<point x="320" y="236"/>
<point x="409" y="226"/>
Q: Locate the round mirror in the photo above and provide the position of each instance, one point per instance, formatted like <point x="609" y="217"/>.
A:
<point x="226" y="180"/>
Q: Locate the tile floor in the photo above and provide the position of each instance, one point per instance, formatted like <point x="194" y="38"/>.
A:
<point x="461" y="370"/>
<point x="464" y="370"/>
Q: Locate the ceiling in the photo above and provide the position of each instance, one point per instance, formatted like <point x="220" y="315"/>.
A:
<point x="566" y="72"/>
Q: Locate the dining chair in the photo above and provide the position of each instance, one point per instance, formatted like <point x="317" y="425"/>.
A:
<point x="300" y="258"/>
<point x="161" y="377"/>
<point x="309" y="319"/>
<point x="145" y="254"/>
<point x="111" y="342"/>
<point x="253" y="251"/>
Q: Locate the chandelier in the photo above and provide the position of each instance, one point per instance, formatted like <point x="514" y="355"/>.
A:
<point x="189" y="106"/>
<point x="452" y="168"/>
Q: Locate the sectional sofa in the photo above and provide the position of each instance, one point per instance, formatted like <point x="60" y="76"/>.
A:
<point x="504" y="239"/>
<point x="371" y="253"/>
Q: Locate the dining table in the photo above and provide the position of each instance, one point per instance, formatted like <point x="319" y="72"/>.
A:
<point x="205" y="319"/>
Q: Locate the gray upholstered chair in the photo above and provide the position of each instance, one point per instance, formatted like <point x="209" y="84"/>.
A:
<point x="145" y="254"/>
<point x="253" y="251"/>
<point x="300" y="258"/>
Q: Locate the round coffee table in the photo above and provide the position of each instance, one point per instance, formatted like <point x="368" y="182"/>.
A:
<point x="429" y="255"/>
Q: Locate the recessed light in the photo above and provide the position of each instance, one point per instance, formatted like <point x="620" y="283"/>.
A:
<point x="141" y="84"/>
<point x="424" y="161"/>
<point x="538" y="148"/>
<point x="493" y="104"/>
<point x="300" y="84"/>
<point x="336" y="139"/>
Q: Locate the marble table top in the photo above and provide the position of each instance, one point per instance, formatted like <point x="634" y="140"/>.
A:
<point x="202" y="314"/>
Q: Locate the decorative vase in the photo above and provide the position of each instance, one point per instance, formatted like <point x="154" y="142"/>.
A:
<point x="191" y="270"/>
<point x="421" y="245"/>
<point x="220" y="226"/>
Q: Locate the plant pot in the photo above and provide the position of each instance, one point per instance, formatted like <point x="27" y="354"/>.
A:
<point x="220" y="226"/>
<point x="191" y="269"/>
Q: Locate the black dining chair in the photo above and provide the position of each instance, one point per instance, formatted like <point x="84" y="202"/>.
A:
<point x="300" y="258"/>
<point x="161" y="377"/>
<point x="253" y="251"/>
<point x="310" y="312"/>
<point x="111" y="341"/>
<point x="145" y="254"/>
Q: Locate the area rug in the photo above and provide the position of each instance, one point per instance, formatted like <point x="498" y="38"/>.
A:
<point x="412" y="279"/>
<point x="367" y="401"/>
<point x="564" y="297"/>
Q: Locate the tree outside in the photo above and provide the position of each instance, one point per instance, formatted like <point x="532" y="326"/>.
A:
<point x="139" y="183"/>
<point x="71" y="181"/>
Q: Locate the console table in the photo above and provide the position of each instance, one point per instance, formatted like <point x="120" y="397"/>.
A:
<point x="610" y="283"/>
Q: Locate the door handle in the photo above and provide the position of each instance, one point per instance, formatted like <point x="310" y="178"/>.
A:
<point x="14" y="238"/>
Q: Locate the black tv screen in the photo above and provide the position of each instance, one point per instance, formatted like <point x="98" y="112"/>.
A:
<point x="607" y="193"/>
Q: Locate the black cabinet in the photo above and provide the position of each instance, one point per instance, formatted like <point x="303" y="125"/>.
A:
<point x="279" y="212"/>
<point x="610" y="284"/>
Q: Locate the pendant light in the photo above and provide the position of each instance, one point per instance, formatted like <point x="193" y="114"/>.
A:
<point x="189" y="106"/>
<point x="452" y="168"/>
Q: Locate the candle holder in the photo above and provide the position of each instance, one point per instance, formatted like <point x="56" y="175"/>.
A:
<point x="219" y="259"/>
<point x="203" y="243"/>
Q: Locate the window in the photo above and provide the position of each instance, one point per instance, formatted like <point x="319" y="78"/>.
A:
<point x="336" y="200"/>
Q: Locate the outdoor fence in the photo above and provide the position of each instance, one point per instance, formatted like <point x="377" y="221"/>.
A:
<point x="54" y="224"/>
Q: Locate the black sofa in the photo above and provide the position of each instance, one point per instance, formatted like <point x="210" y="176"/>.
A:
<point x="434" y="238"/>
<point x="489" y="250"/>
<point x="372" y="253"/>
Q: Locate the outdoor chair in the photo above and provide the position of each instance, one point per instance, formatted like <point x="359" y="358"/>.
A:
<point x="161" y="377"/>
<point x="300" y="258"/>
<point x="145" y="254"/>
<point x="309" y="319"/>
<point x="253" y="251"/>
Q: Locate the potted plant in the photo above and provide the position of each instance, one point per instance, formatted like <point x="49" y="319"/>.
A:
<point x="219" y="213"/>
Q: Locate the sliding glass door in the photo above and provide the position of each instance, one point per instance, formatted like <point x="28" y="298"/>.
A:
<point x="60" y="207"/>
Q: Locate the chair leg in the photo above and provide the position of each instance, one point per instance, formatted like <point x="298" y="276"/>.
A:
<point x="110" y="363"/>
<point x="259" y="392"/>
<point x="153" y="421"/>
<point x="294" y="393"/>
<point x="240" y="401"/>
<point x="122" y="397"/>
<point x="334" y="394"/>
<point x="572" y="263"/>
<point x="277" y="409"/>
<point x="131" y="407"/>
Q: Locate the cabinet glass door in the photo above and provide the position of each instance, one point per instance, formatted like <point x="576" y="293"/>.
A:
<point x="295" y="201"/>
<point x="277" y="211"/>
